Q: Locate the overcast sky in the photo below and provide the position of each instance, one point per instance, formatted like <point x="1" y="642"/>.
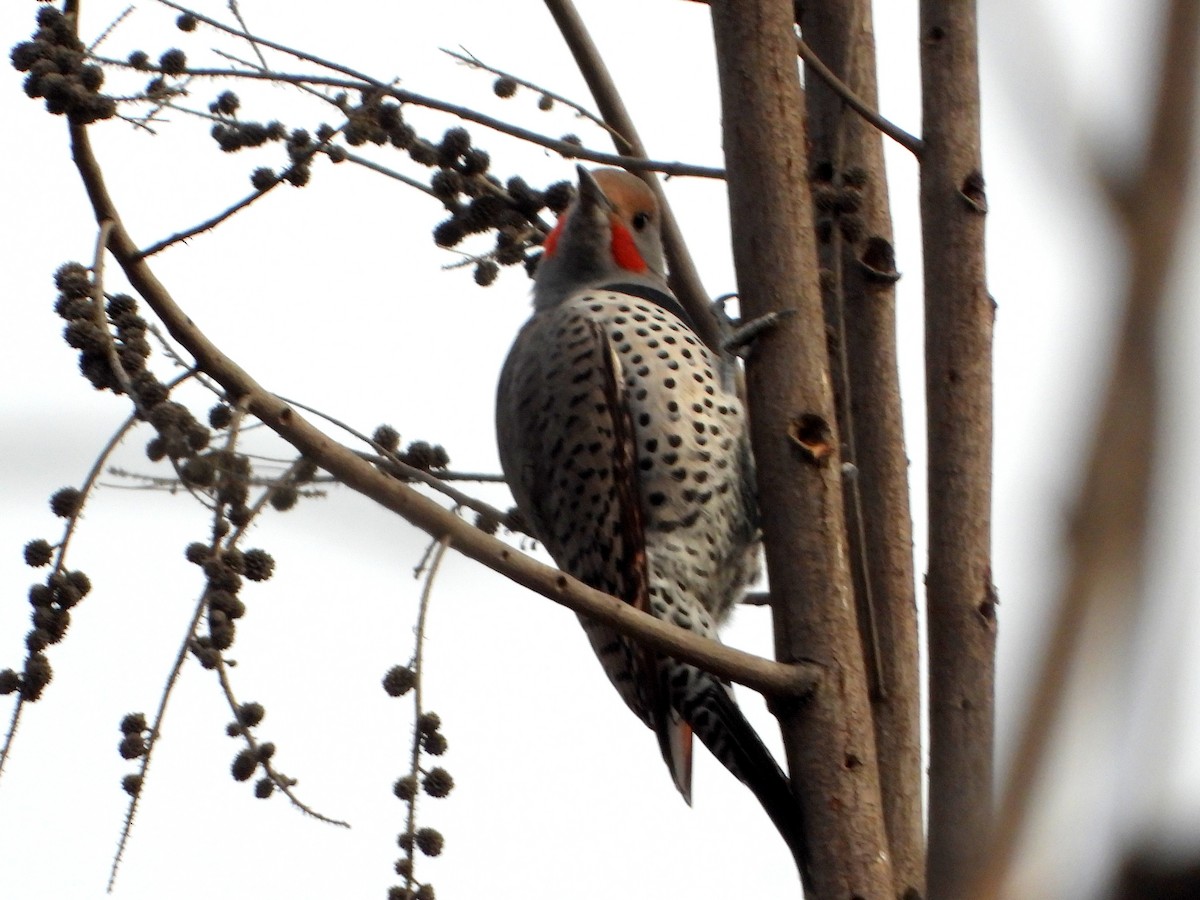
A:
<point x="336" y="296"/>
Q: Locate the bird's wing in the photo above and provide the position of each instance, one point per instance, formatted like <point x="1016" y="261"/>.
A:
<point x="569" y="451"/>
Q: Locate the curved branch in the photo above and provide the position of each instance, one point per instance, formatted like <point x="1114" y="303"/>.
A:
<point x="760" y="674"/>
<point x="909" y="142"/>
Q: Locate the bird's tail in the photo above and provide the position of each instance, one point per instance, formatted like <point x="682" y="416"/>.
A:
<point x="709" y="707"/>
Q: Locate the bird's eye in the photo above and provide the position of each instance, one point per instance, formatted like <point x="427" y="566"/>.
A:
<point x="640" y="220"/>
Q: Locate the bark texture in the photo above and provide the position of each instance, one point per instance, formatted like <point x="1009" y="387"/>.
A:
<point x="958" y="372"/>
<point x="858" y="285"/>
<point x="829" y="739"/>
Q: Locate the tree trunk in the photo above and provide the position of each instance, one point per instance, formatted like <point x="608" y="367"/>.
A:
<point x="829" y="740"/>
<point x="858" y="283"/>
<point x="958" y="372"/>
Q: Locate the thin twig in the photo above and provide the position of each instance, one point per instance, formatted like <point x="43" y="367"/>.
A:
<point x="109" y="30"/>
<point x="237" y="14"/>
<point x="101" y="321"/>
<point x="384" y="170"/>
<point x="155" y="731"/>
<point x="910" y="143"/>
<point x="475" y="62"/>
<point x="169" y="688"/>
<point x="280" y="781"/>
<point x="395" y="466"/>
<point x="361" y="80"/>
<point x="566" y="149"/>
<point x="114" y="359"/>
<point x="439" y="548"/>
<point x="856" y="523"/>
<point x="63" y="545"/>
<point x="216" y="220"/>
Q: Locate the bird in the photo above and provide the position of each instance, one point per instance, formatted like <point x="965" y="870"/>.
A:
<point x="626" y="447"/>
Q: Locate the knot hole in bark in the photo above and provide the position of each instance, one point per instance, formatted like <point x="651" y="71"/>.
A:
<point x="813" y="436"/>
<point x="878" y="260"/>
<point x="973" y="193"/>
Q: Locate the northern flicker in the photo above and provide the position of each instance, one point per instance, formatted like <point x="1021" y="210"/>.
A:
<point x="625" y="445"/>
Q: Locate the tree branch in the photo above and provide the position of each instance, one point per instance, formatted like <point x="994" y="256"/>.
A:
<point x="581" y="111"/>
<point x="355" y="80"/>
<point x="865" y="108"/>
<point x="763" y="675"/>
<point x="566" y="149"/>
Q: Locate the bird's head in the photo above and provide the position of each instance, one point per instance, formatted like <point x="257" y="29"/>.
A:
<point x="611" y="233"/>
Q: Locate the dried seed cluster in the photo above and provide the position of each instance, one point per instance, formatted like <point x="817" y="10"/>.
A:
<point x="436" y="782"/>
<point x="51" y="603"/>
<point x="248" y="760"/>
<point x="179" y="435"/>
<point x="479" y="202"/>
<point x="224" y="571"/>
<point x="134" y="732"/>
<point x="387" y="437"/>
<point x="135" y="743"/>
<point x="506" y="86"/>
<point x="234" y="135"/>
<point x="425" y="456"/>
<point x="59" y="72"/>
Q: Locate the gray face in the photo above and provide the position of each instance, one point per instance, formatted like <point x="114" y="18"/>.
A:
<point x="583" y="256"/>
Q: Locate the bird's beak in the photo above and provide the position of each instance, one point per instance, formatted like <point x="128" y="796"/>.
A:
<point x="590" y="193"/>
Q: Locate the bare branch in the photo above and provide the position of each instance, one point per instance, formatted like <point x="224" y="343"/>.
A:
<point x="63" y="545"/>
<point x="233" y="210"/>
<point x="438" y="553"/>
<point x="360" y="81"/>
<point x="280" y="781"/>
<point x="582" y="111"/>
<point x="909" y="142"/>
<point x="101" y="321"/>
<point x="236" y="9"/>
<point x="398" y="468"/>
<point x="112" y="26"/>
<point x="155" y="733"/>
